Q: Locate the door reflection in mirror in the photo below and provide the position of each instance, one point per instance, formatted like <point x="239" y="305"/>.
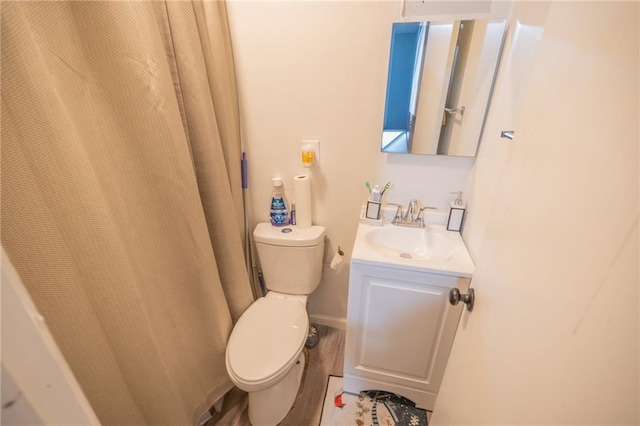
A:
<point x="453" y="110"/>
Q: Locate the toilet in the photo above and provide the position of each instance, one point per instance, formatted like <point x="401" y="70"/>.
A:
<point x="264" y="354"/>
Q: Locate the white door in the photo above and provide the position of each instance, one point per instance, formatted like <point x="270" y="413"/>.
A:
<point x="554" y="336"/>
<point x="38" y="386"/>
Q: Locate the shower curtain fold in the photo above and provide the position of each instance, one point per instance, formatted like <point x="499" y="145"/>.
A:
<point x="212" y="124"/>
<point x="120" y="191"/>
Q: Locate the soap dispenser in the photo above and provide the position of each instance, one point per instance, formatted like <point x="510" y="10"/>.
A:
<point x="456" y="213"/>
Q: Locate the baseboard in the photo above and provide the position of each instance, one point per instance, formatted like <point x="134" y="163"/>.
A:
<point x="329" y="321"/>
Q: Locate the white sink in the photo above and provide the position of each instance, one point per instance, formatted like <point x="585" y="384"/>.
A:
<point x="412" y="243"/>
<point x="432" y="248"/>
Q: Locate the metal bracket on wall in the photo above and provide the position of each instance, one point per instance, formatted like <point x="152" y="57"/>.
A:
<point x="509" y="134"/>
<point x="455" y="111"/>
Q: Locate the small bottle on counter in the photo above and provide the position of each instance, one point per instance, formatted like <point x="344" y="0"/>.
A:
<point x="293" y="213"/>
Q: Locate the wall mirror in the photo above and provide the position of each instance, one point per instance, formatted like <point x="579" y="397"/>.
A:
<point x="439" y="85"/>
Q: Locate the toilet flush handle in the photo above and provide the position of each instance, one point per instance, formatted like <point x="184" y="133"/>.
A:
<point x="468" y="299"/>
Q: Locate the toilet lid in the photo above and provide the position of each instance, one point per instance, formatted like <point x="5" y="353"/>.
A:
<point x="267" y="338"/>
<point x="288" y="236"/>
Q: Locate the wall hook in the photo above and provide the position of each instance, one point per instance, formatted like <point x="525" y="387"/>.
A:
<point x="509" y="134"/>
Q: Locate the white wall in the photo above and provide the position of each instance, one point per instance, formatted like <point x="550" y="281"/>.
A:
<point x="317" y="70"/>
<point x="554" y="337"/>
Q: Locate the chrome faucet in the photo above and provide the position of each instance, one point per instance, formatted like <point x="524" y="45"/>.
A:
<point x="413" y="217"/>
<point x="413" y="210"/>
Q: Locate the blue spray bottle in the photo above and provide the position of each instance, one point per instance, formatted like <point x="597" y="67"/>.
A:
<point x="279" y="210"/>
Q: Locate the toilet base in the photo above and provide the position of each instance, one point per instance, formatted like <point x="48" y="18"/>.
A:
<point x="270" y="406"/>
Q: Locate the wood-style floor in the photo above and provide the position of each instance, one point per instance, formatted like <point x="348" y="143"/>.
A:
<point x="325" y="359"/>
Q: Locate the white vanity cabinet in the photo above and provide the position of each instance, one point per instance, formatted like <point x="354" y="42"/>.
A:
<point x="400" y="329"/>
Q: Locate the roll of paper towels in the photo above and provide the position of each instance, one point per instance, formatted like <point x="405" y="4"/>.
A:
<point x="302" y="189"/>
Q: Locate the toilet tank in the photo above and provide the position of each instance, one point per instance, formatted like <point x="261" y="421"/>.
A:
<point x="291" y="258"/>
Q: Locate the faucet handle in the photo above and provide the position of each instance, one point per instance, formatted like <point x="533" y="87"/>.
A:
<point x="421" y="213"/>
<point x="428" y="208"/>
<point x="398" y="216"/>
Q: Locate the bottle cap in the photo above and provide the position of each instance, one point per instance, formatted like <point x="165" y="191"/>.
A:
<point x="458" y="200"/>
<point x="277" y="181"/>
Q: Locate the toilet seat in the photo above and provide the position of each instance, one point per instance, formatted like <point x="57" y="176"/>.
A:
<point x="266" y="341"/>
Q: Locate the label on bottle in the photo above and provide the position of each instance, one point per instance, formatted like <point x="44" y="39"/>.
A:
<point x="277" y="203"/>
<point x="279" y="213"/>
<point x="455" y="219"/>
<point x="373" y="210"/>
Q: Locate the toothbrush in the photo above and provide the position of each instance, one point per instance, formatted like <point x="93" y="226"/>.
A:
<point x="366" y="183"/>
<point x="384" y="189"/>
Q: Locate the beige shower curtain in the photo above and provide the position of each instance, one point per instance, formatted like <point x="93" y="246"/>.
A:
<point x="121" y="197"/>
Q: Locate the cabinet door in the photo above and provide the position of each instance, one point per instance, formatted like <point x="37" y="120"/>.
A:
<point x="400" y="329"/>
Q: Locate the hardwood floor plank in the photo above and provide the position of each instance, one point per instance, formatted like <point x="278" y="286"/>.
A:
<point x="326" y="358"/>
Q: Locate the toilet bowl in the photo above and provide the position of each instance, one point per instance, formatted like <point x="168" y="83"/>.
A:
<point x="264" y="353"/>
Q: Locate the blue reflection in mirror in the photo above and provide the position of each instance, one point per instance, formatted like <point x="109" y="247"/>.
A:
<point x="407" y="54"/>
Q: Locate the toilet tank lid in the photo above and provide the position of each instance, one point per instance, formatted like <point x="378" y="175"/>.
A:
<point x="290" y="236"/>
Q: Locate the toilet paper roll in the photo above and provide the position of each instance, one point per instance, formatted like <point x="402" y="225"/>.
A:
<point x="302" y="189"/>
<point x="337" y="260"/>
